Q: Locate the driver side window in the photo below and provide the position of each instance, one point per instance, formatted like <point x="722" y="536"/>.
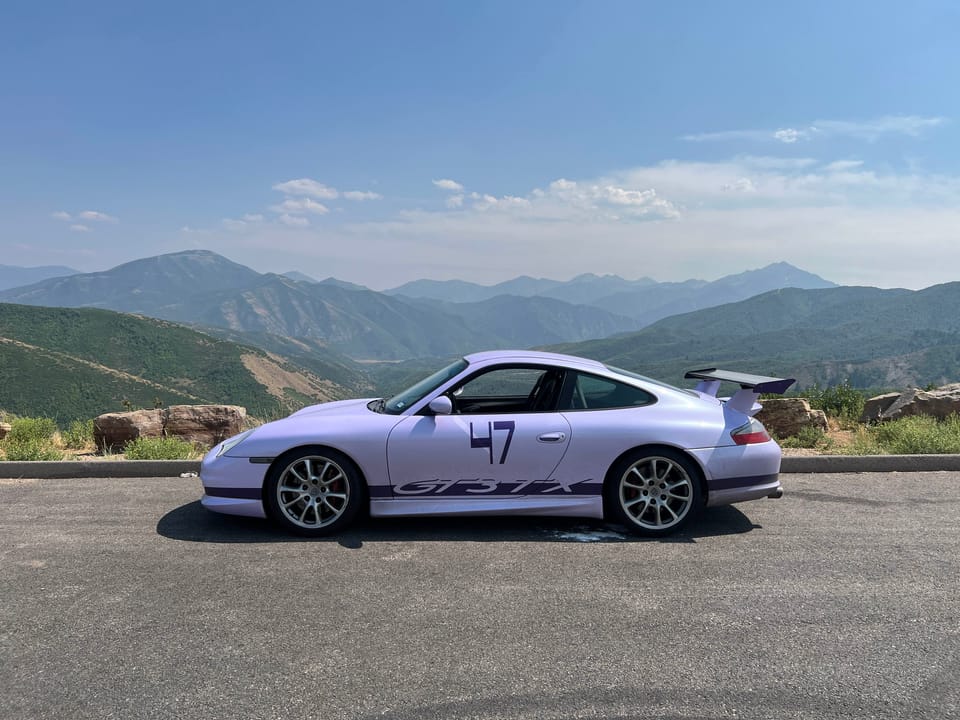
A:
<point x="508" y="390"/>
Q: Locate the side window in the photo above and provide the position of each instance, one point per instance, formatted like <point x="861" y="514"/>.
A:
<point x="597" y="393"/>
<point x="509" y="390"/>
<point x="501" y="383"/>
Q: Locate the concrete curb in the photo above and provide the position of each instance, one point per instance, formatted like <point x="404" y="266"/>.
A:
<point x="869" y="463"/>
<point x="174" y="468"/>
<point x="56" y="469"/>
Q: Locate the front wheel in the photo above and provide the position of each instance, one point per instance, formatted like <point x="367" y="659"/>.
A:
<point x="653" y="492"/>
<point x="314" y="491"/>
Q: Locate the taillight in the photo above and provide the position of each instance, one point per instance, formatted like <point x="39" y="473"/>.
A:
<point x="751" y="433"/>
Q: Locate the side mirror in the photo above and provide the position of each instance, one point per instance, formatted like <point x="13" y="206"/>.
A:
<point x="441" y="405"/>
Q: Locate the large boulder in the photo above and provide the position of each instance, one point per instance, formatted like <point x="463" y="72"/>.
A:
<point x="786" y="417"/>
<point x="939" y="403"/>
<point x="201" y="424"/>
<point x="112" y="431"/>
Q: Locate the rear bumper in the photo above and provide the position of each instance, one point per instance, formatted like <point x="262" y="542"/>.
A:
<point x="738" y="473"/>
<point x="754" y="491"/>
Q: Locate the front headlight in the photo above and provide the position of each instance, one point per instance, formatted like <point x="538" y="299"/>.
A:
<point x="231" y="443"/>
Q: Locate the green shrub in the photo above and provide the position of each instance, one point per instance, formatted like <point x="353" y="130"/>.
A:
<point x="21" y="450"/>
<point x="919" y="435"/>
<point x="839" y="401"/>
<point x="79" y="435"/>
<point x="864" y="443"/>
<point x="808" y="437"/>
<point x="31" y="439"/>
<point x="168" y="448"/>
<point x="32" y="429"/>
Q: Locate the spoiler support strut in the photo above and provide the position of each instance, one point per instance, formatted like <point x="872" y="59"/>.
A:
<point x="751" y="386"/>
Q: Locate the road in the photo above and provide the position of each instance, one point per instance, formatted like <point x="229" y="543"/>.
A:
<point x="125" y="599"/>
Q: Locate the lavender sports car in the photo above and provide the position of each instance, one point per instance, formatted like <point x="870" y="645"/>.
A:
<point x="507" y="433"/>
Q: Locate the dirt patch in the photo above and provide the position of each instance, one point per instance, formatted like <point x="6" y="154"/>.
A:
<point x="269" y="371"/>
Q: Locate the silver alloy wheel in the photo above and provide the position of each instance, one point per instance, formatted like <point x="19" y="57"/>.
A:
<point x="656" y="492"/>
<point x="313" y="492"/>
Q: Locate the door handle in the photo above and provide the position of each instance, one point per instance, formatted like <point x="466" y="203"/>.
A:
<point x="552" y="437"/>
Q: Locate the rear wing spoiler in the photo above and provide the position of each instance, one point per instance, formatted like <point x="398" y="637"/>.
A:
<point x="751" y="386"/>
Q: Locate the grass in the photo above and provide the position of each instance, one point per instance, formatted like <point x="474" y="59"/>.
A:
<point x="167" y="448"/>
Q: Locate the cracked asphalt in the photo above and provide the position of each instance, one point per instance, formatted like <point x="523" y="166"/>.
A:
<point x="123" y="598"/>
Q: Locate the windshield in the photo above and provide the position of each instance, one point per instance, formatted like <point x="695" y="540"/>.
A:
<point x="400" y="402"/>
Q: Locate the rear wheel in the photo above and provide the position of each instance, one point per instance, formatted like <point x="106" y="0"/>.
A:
<point x="314" y="491"/>
<point x="653" y="492"/>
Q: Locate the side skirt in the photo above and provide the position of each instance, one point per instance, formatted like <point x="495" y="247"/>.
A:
<point x="582" y="506"/>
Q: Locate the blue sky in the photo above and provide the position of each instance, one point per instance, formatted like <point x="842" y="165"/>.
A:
<point x="380" y="142"/>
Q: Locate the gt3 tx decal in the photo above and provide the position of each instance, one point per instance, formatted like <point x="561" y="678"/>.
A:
<point x="480" y="486"/>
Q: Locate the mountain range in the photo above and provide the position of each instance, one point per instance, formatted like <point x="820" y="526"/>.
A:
<point x="330" y="338"/>
<point x="205" y="289"/>
<point x="645" y="301"/>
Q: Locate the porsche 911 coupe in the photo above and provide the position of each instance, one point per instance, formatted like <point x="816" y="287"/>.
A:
<point x="507" y="433"/>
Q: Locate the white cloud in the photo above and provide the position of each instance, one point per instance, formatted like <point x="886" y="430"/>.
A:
<point x="740" y="185"/>
<point x="447" y="184"/>
<point x="789" y="135"/>
<point x="306" y="186"/>
<point x="61" y="215"/>
<point x="455" y="201"/>
<point x="871" y="130"/>
<point x="79" y="228"/>
<point x="252" y="218"/>
<point x="299" y="206"/>
<point x="361" y="195"/>
<point x="293" y="220"/>
<point x="867" y="130"/>
<point x="96" y="216"/>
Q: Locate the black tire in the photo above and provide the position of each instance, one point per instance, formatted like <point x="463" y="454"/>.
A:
<point x="314" y="491"/>
<point x="653" y="492"/>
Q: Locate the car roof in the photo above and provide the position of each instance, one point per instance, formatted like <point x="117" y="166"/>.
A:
<point x="533" y="356"/>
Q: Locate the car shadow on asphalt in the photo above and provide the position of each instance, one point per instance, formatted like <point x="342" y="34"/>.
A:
<point x="193" y="523"/>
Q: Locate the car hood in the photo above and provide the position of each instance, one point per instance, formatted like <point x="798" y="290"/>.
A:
<point x="307" y="426"/>
<point x="340" y="407"/>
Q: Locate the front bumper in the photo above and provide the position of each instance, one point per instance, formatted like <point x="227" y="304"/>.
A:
<point x="233" y="486"/>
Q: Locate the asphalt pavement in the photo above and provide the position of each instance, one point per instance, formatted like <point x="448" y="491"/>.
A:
<point x="123" y="598"/>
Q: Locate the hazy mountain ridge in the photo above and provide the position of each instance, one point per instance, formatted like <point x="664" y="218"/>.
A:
<point x="15" y="276"/>
<point x="872" y="337"/>
<point x="203" y="288"/>
<point x="645" y="301"/>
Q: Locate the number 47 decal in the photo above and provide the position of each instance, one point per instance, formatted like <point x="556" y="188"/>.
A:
<point x="487" y="442"/>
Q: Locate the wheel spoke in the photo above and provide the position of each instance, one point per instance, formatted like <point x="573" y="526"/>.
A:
<point x="328" y="483"/>
<point x="631" y="503"/>
<point x="297" y="499"/>
<point x="298" y="476"/>
<point x="334" y="510"/>
<point x="306" y="507"/>
<point x="627" y="483"/>
<point x="670" y="510"/>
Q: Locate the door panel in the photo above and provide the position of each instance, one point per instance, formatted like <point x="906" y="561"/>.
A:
<point x="477" y="456"/>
